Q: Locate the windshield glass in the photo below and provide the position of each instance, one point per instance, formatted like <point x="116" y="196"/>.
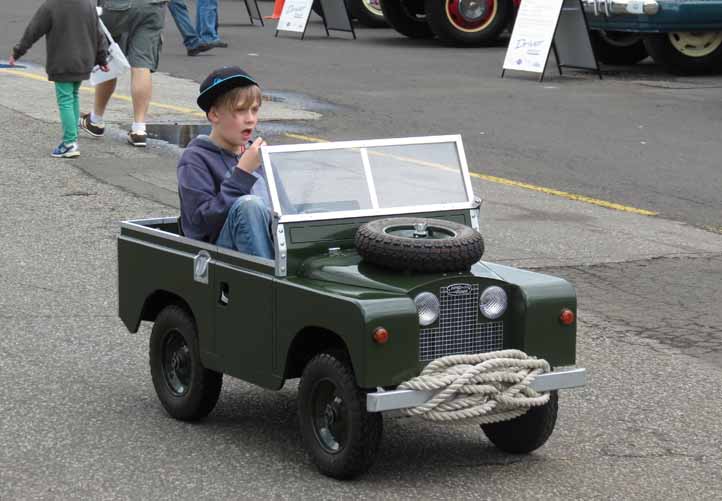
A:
<point x="367" y="176"/>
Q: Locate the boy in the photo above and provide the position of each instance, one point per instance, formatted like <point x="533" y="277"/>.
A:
<point x="222" y="186"/>
<point x="75" y="45"/>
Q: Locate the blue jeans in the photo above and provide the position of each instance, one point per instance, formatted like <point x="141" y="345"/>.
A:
<point x="207" y="20"/>
<point x="248" y="228"/>
<point x="179" y="10"/>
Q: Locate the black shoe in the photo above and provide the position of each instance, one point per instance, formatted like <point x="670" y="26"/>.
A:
<point x="89" y="127"/>
<point x="197" y="50"/>
<point x="137" y="139"/>
<point x="218" y="44"/>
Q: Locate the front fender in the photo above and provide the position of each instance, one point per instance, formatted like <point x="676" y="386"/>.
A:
<point x="537" y="301"/>
<point x="352" y="314"/>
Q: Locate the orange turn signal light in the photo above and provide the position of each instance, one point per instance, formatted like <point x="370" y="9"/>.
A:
<point x="566" y="317"/>
<point x="381" y="335"/>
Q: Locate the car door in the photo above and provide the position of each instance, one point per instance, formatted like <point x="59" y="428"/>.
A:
<point x="244" y="317"/>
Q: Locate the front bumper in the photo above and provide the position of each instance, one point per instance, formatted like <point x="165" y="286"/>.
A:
<point x="610" y="8"/>
<point x="381" y="401"/>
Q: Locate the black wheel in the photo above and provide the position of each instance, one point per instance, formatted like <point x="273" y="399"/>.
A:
<point x="618" y="47"/>
<point x="367" y="12"/>
<point x="469" y="22"/>
<point x="687" y="53"/>
<point x="339" y="434"/>
<point x="407" y="17"/>
<point x="187" y="390"/>
<point x="525" y="433"/>
<point x="419" y="244"/>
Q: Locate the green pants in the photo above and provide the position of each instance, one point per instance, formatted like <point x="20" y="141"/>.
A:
<point x="69" y="106"/>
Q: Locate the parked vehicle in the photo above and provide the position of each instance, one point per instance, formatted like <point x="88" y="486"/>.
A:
<point x="366" y="12"/>
<point x="461" y="22"/>
<point x="377" y="273"/>
<point x="684" y="36"/>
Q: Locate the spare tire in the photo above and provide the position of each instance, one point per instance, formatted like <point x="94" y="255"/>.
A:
<point x="419" y="244"/>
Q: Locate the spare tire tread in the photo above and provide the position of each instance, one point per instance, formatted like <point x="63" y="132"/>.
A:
<point x="422" y="255"/>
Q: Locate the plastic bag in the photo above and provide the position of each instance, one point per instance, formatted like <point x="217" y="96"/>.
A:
<point x="117" y="62"/>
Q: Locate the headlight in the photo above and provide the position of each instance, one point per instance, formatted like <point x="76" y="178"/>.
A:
<point x="493" y="302"/>
<point x="428" y="307"/>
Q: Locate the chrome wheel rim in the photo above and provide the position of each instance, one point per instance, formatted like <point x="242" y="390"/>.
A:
<point x="373" y="6"/>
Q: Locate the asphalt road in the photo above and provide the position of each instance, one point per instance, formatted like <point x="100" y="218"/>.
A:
<point x="79" y="416"/>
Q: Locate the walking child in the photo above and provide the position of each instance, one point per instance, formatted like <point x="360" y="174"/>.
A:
<point x="75" y="45"/>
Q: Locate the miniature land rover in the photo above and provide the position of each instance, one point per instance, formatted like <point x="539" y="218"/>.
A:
<point x="376" y="273"/>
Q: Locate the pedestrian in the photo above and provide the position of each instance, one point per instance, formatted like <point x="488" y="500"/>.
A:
<point x="222" y="185"/>
<point x="207" y="23"/>
<point x="137" y="26"/>
<point x="179" y="10"/>
<point x="74" y="46"/>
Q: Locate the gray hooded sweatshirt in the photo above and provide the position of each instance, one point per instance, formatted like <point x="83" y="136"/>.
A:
<point x="74" y="42"/>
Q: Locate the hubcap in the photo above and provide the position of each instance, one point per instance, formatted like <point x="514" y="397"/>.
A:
<point x="330" y="420"/>
<point x="697" y="44"/>
<point x="415" y="231"/>
<point x="470" y="15"/>
<point x="472" y="10"/>
<point x="177" y="364"/>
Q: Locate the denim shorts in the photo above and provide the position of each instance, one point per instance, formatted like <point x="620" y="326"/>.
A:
<point x="139" y="32"/>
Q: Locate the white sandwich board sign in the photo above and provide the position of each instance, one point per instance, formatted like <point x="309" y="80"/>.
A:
<point x="545" y="25"/>
<point x="294" y="16"/>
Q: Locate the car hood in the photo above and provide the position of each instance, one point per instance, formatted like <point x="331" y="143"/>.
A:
<point x="348" y="268"/>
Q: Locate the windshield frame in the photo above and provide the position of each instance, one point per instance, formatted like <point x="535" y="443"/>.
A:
<point x="266" y="151"/>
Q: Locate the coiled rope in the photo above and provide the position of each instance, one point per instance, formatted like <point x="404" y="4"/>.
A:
<point x="485" y="388"/>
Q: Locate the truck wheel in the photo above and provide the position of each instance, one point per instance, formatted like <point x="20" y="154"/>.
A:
<point x="468" y="22"/>
<point x="618" y="47"/>
<point x="187" y="390"/>
<point x="419" y="244"/>
<point x="367" y="12"/>
<point x="339" y="434"/>
<point x="407" y="17"/>
<point x="525" y="433"/>
<point x="687" y="53"/>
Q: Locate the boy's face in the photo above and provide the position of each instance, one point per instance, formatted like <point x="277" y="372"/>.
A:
<point x="235" y="123"/>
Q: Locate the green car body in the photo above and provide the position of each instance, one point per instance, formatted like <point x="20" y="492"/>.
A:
<point x="262" y="320"/>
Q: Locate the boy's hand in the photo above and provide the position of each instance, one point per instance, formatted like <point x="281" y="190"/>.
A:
<point x="11" y="61"/>
<point x="251" y="158"/>
<point x="104" y="68"/>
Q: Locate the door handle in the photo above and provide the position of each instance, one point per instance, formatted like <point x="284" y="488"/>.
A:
<point x="224" y="298"/>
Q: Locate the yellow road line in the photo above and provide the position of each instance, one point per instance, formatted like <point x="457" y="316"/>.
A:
<point x="564" y="194"/>
<point x="511" y="182"/>
<point x="311" y="139"/>
<point x="121" y="97"/>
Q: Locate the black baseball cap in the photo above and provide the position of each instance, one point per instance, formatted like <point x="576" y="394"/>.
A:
<point x="221" y="81"/>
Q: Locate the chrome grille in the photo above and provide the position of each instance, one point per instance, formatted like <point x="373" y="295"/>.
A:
<point x="459" y="330"/>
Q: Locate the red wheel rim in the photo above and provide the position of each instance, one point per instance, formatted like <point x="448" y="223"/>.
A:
<point x="471" y="15"/>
